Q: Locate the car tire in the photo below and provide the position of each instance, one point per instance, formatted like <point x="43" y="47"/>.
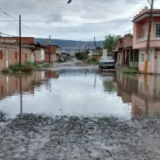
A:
<point x="100" y="67"/>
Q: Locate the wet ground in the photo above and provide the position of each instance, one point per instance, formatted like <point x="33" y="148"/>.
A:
<point x="87" y="114"/>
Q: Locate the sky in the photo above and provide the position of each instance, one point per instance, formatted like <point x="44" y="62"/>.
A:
<point x="80" y="20"/>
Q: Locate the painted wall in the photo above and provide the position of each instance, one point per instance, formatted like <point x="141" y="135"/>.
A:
<point x="138" y="40"/>
<point x="153" y="65"/>
<point x="10" y="55"/>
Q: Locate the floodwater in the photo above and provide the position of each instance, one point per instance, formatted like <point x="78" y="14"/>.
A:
<point x="79" y="93"/>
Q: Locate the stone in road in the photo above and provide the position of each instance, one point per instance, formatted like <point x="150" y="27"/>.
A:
<point x="36" y="137"/>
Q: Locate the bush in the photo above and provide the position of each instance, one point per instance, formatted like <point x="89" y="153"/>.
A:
<point x="27" y="67"/>
<point x="32" y="64"/>
<point x="130" y="71"/>
<point x="79" y="55"/>
<point x="6" y="70"/>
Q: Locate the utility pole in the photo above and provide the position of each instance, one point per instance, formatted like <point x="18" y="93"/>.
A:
<point x="49" y="49"/>
<point x="20" y="40"/>
<point x="146" y="57"/>
<point x="95" y="42"/>
<point x="21" y="102"/>
<point x="149" y="37"/>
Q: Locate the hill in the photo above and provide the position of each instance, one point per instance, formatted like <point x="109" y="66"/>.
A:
<point x="71" y="46"/>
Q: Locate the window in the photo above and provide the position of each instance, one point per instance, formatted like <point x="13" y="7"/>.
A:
<point x="158" y="30"/>
<point x="1" y="55"/>
<point x="143" y="32"/>
<point x="141" y="86"/>
<point x="142" y="58"/>
<point x="16" y="55"/>
<point x="25" y="55"/>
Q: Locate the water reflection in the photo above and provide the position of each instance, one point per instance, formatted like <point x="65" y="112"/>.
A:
<point x="80" y="93"/>
<point x="132" y="89"/>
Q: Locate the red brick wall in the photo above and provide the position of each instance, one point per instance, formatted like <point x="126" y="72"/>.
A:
<point x="24" y="40"/>
<point x="2" y="58"/>
<point x="13" y="55"/>
<point x="127" y="40"/>
<point x="53" y="49"/>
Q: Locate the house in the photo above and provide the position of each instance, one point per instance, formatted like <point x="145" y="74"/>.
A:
<point x="95" y="54"/>
<point x="124" y="53"/>
<point x="9" y="51"/>
<point x="140" y="33"/>
<point x="52" y="53"/>
<point x="39" y="52"/>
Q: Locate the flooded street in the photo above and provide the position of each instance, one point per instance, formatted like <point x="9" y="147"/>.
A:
<point x="79" y="114"/>
<point x="79" y="93"/>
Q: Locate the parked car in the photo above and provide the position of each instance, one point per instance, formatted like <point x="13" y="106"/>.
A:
<point x="61" y="59"/>
<point x="106" y="62"/>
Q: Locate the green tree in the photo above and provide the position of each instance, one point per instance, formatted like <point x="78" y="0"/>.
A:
<point x="98" y="48"/>
<point x="110" y="40"/>
<point x="79" y="55"/>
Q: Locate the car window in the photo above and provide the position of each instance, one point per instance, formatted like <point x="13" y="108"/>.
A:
<point x="109" y="57"/>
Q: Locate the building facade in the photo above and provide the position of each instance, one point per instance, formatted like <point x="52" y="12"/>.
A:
<point x="52" y="53"/>
<point x="140" y="34"/>
<point x="9" y="51"/>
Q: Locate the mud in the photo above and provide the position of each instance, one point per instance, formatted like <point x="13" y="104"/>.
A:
<point x="38" y="137"/>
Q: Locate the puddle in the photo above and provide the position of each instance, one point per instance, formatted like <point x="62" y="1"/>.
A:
<point x="86" y="93"/>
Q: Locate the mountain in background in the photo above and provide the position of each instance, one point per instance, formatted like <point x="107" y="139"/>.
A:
<point x="70" y="46"/>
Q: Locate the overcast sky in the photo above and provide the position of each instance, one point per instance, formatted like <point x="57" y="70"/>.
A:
<point x="80" y="20"/>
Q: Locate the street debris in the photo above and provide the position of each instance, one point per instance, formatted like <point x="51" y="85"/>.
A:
<point x="40" y="137"/>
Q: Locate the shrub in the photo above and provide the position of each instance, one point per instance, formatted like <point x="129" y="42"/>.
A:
<point x="32" y="64"/>
<point x="27" y="67"/>
<point x="6" y="70"/>
<point x="130" y="71"/>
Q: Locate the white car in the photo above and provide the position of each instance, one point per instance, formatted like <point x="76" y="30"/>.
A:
<point x="106" y="62"/>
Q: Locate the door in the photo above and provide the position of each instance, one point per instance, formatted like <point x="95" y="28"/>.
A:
<point x="7" y="58"/>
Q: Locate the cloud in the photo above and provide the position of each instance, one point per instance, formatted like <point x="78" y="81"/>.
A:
<point x="81" y="20"/>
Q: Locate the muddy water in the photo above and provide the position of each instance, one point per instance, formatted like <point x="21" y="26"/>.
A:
<point x="79" y="93"/>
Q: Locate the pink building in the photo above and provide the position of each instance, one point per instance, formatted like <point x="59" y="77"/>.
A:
<point x="140" y="33"/>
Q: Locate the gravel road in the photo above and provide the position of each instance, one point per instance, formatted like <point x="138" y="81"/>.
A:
<point x="38" y="137"/>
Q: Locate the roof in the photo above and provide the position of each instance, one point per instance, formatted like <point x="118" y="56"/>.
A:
<point x="52" y="45"/>
<point x="145" y="13"/>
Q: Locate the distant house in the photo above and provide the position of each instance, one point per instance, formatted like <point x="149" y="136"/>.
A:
<point x="95" y="54"/>
<point x="124" y="53"/>
<point x="52" y="53"/>
<point x="140" y="33"/>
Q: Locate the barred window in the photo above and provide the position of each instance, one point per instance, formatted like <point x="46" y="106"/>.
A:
<point x="142" y="58"/>
<point x="158" y="30"/>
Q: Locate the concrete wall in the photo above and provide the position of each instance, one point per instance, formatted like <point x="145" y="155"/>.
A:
<point x="10" y="55"/>
<point x="153" y="66"/>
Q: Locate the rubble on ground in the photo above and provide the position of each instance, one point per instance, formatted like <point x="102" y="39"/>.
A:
<point x="39" y="137"/>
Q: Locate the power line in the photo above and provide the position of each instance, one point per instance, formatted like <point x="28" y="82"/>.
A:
<point x="17" y="20"/>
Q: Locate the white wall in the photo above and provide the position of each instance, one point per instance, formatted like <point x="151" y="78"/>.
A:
<point x="42" y="55"/>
